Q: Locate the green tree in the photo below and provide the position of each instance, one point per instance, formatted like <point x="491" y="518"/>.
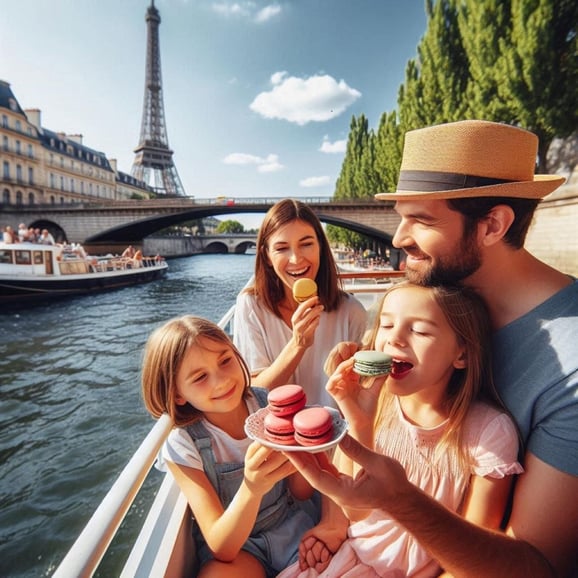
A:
<point x="230" y="227"/>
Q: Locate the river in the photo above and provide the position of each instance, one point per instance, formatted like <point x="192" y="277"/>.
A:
<point x="71" y="412"/>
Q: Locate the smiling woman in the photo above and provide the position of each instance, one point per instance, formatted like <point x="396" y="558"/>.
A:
<point x="284" y="341"/>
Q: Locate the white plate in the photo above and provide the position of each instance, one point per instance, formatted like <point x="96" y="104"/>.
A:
<point x="255" y="429"/>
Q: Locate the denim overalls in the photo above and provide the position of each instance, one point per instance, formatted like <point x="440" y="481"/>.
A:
<point x="281" y="520"/>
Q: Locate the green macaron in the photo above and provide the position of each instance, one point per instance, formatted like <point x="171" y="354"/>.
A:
<point x="371" y="363"/>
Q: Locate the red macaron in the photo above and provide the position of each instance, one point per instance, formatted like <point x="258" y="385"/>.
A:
<point x="286" y="400"/>
<point x="313" y="426"/>
<point x="279" y="430"/>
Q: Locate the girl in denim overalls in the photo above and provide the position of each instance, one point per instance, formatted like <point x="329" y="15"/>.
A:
<point x="244" y="496"/>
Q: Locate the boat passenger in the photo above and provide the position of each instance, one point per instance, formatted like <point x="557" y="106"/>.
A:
<point x="9" y="236"/>
<point x="438" y="414"/>
<point x="46" y="238"/>
<point x="466" y="197"/>
<point x="284" y="341"/>
<point x="243" y="495"/>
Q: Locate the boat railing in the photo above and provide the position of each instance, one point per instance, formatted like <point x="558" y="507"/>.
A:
<point x="164" y="541"/>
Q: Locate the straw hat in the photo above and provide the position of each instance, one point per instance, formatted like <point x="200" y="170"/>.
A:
<point x="470" y="158"/>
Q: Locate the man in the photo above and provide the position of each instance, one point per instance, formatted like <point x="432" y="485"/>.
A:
<point x="466" y="196"/>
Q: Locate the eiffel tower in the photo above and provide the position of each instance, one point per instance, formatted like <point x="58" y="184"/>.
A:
<point x="153" y="163"/>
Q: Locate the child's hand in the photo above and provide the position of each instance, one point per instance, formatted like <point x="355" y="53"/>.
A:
<point x="341" y="352"/>
<point x="264" y="467"/>
<point x="313" y="553"/>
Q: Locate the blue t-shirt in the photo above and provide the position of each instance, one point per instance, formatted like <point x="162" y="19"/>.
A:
<point x="536" y="374"/>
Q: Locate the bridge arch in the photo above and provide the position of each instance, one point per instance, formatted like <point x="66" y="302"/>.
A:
<point x="216" y="247"/>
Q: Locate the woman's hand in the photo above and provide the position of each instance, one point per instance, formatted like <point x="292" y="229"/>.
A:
<point x="305" y="320"/>
<point x="264" y="467"/>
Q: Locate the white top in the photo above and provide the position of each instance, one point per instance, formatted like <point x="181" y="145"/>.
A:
<point x="180" y="449"/>
<point x="260" y="336"/>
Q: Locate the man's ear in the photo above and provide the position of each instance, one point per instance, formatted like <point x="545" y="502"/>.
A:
<point x="494" y="226"/>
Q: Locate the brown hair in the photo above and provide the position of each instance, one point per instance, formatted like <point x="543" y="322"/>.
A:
<point x="468" y="317"/>
<point x="164" y="352"/>
<point x="476" y="208"/>
<point x="267" y="286"/>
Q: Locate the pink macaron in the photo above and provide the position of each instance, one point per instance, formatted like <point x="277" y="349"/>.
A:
<point x="279" y="430"/>
<point x="313" y="426"/>
<point x="286" y="400"/>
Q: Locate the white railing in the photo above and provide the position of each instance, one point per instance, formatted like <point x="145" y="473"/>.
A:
<point x="164" y="545"/>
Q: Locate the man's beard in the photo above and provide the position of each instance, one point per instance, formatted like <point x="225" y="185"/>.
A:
<point x="450" y="270"/>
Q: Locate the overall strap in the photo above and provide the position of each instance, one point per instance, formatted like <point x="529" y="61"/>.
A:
<point x="261" y="394"/>
<point x="202" y="441"/>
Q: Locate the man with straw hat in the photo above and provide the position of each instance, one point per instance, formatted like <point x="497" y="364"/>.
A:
<point x="466" y="196"/>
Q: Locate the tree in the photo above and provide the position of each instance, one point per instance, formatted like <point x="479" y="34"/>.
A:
<point x="230" y="227"/>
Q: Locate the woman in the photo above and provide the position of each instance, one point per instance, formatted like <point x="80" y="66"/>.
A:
<point x="281" y="340"/>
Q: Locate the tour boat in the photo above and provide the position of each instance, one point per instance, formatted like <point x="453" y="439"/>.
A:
<point x="31" y="272"/>
<point x="164" y="546"/>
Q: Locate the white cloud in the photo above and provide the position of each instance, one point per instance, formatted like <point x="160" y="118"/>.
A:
<point x="301" y="100"/>
<point x="338" y="146"/>
<point x="311" y="182"/>
<point x="268" y="12"/>
<point x="269" y="164"/>
<point x="247" y="10"/>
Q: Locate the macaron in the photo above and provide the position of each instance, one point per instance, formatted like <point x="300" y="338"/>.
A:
<point x="279" y="430"/>
<point x="313" y="426"/>
<point x="286" y="400"/>
<point x="303" y="289"/>
<point x="371" y="363"/>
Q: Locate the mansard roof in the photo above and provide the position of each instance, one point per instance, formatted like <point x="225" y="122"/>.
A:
<point x="61" y="144"/>
<point x="8" y="100"/>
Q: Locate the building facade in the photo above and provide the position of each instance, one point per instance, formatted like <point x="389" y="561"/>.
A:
<point x="42" y="167"/>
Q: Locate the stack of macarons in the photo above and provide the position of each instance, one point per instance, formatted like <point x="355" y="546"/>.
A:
<point x="304" y="289"/>
<point x="288" y="422"/>
<point x="371" y="363"/>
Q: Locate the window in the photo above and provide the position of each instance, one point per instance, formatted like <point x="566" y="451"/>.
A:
<point x="6" y="196"/>
<point x="6" y="256"/>
<point x="6" y="170"/>
<point x="61" y="183"/>
<point x="30" y="152"/>
<point x="4" y="121"/>
<point x="23" y="257"/>
<point x="37" y="257"/>
<point x="31" y="198"/>
<point x="5" y="143"/>
<point x="18" y="197"/>
<point x="30" y="176"/>
<point x="52" y="200"/>
<point x="19" y="173"/>
<point x="18" y="126"/>
<point x="18" y="147"/>
<point x="52" y="181"/>
<point x="72" y="186"/>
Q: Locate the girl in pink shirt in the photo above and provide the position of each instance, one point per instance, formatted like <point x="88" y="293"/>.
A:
<point x="437" y="413"/>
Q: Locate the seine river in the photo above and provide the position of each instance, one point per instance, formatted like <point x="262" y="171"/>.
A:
<point x="71" y="412"/>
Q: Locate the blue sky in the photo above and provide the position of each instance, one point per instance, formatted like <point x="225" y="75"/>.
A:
<point x="258" y="95"/>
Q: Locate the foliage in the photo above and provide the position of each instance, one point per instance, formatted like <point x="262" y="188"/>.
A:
<point x="230" y="227"/>
<point x="512" y="61"/>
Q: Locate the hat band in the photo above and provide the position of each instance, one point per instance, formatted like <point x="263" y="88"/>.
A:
<point x="429" y="181"/>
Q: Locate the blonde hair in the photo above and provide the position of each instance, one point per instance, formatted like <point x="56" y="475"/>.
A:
<point x="468" y="317"/>
<point x="163" y="354"/>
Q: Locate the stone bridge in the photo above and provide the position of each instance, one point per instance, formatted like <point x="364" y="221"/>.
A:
<point x="129" y="222"/>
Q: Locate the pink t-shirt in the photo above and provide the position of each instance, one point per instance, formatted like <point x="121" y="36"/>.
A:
<point x="491" y="440"/>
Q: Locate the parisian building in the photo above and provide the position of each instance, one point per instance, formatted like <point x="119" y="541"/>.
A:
<point x="43" y="167"/>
